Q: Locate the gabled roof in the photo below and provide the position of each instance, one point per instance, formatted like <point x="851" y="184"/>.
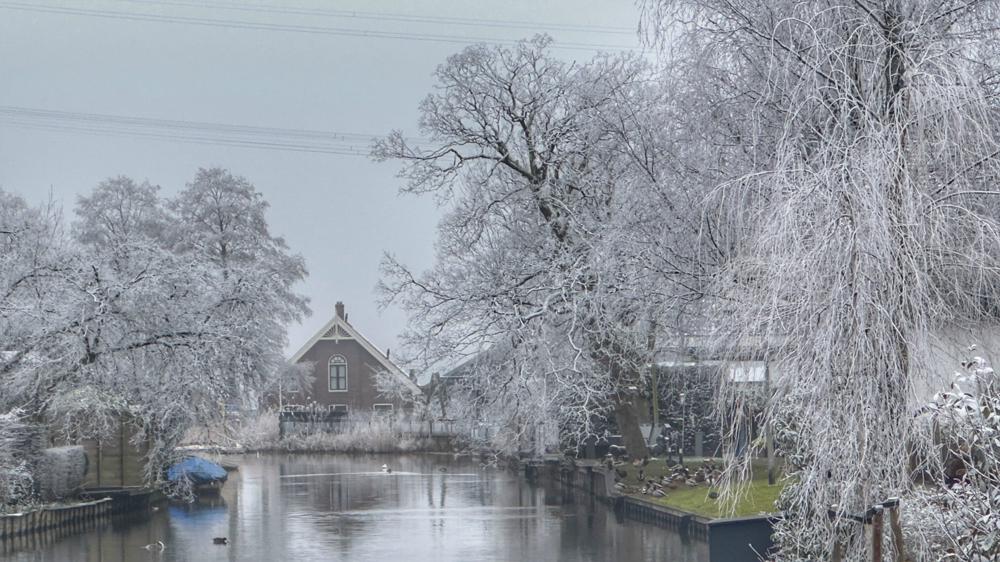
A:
<point x="338" y="329"/>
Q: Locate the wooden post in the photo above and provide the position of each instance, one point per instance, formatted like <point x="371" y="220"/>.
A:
<point x="99" y="455"/>
<point x="121" y="445"/>
<point x="877" y="522"/>
<point x="838" y="555"/>
<point x="897" y="529"/>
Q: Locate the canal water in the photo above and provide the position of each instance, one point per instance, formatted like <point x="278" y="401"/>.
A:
<point x="430" y="508"/>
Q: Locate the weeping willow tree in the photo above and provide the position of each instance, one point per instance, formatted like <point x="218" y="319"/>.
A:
<point x="862" y="225"/>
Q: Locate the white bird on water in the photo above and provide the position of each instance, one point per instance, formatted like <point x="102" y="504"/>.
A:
<point x="386" y="469"/>
<point x="158" y="545"/>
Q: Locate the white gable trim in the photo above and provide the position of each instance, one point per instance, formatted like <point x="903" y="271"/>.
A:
<point x="297" y="356"/>
<point x="367" y="345"/>
<point x="338" y="334"/>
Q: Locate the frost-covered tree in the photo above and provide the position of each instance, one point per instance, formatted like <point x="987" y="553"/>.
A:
<point x="118" y="211"/>
<point x="860" y="222"/>
<point x="35" y="258"/>
<point x="147" y="312"/>
<point x="546" y="255"/>
<point x="220" y="219"/>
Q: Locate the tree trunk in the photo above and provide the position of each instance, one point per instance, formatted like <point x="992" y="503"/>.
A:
<point x="655" y="397"/>
<point x="623" y="366"/>
<point x="627" y="417"/>
<point x="654" y="385"/>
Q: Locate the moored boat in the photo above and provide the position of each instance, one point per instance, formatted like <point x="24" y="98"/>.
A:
<point x="205" y="476"/>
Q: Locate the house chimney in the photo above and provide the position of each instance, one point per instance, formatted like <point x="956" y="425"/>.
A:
<point x="340" y="310"/>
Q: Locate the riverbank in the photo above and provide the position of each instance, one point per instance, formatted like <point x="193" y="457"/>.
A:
<point x="696" y="492"/>
<point x="45" y="517"/>
<point x="263" y="435"/>
<point x="729" y="539"/>
<point x="327" y="443"/>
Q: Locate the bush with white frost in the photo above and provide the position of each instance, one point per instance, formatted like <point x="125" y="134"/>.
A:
<point x="16" y="440"/>
<point x="375" y="437"/>
<point x="60" y="472"/>
<point x="957" y="516"/>
<point x="262" y="433"/>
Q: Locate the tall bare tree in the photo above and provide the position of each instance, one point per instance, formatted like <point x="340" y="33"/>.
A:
<point x="549" y="170"/>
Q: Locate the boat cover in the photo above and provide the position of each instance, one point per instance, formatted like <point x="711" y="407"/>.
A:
<point x="197" y="470"/>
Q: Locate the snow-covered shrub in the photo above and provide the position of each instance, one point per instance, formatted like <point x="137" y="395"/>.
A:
<point x="258" y="431"/>
<point x="958" y="517"/>
<point x="17" y="440"/>
<point x="86" y="412"/>
<point x="374" y="437"/>
<point x="60" y="472"/>
<point x="957" y="523"/>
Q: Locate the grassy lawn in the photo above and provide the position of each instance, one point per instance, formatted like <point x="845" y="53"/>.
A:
<point x="759" y="498"/>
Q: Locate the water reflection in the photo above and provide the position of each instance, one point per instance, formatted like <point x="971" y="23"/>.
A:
<point x="335" y="507"/>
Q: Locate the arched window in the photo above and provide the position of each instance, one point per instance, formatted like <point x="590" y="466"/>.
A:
<point x="338" y="374"/>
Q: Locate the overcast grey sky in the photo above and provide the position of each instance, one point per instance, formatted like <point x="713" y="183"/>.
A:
<point x="210" y="61"/>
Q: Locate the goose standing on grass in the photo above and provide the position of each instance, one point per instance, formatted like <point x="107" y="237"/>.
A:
<point x="386" y="469"/>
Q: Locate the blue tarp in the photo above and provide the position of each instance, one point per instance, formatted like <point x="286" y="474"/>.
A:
<point x="197" y="470"/>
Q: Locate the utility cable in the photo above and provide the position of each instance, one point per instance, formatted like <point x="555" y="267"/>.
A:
<point x="308" y="29"/>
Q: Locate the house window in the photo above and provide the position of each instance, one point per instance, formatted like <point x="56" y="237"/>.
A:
<point x="338" y="374"/>
<point x="338" y="408"/>
<point x="385" y="409"/>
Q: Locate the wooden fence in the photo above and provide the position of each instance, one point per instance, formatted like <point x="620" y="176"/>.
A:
<point x="306" y="422"/>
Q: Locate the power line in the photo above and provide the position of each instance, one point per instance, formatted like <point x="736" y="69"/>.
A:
<point x="181" y="124"/>
<point x="386" y="16"/>
<point x="259" y="26"/>
<point x="274" y="138"/>
<point x="346" y="151"/>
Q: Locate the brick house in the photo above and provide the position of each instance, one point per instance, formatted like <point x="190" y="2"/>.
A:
<point x="345" y="364"/>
